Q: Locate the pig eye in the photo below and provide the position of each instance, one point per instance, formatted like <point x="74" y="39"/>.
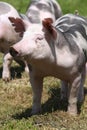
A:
<point x="39" y="38"/>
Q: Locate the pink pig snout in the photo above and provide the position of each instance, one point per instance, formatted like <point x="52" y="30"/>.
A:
<point x="13" y="52"/>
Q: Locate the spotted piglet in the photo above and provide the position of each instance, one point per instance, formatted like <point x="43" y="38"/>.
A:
<point x="56" y="49"/>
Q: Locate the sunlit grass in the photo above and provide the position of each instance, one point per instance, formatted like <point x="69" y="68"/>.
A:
<point x="16" y="102"/>
<point x="16" y="96"/>
<point x="68" y="6"/>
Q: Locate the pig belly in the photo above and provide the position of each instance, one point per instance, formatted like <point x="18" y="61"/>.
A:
<point x="63" y="73"/>
<point x="62" y="66"/>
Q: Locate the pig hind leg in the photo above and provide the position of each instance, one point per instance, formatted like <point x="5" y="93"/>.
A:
<point x="64" y="90"/>
<point x="81" y="88"/>
<point x="75" y="88"/>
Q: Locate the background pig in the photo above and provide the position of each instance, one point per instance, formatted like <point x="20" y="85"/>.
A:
<point x="8" y="36"/>
<point x="40" y="9"/>
<point x="58" y="50"/>
<point x="47" y="8"/>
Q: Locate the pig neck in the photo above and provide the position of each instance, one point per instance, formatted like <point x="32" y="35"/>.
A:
<point x="66" y="39"/>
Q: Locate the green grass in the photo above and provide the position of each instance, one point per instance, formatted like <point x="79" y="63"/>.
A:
<point x="20" y="5"/>
<point x="68" y="6"/>
<point x="16" y="103"/>
<point x="16" y="96"/>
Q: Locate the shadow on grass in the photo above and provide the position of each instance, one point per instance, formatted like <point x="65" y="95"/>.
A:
<point x="51" y="105"/>
<point x="1" y="72"/>
<point x="25" y="114"/>
<point x="54" y="103"/>
<point x="16" y="72"/>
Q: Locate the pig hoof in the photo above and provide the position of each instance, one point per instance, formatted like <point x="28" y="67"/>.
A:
<point x="6" y="79"/>
<point x="34" y="112"/>
<point x="6" y="76"/>
<point x="72" y="111"/>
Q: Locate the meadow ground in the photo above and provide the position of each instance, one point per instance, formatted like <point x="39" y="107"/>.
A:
<point x="16" y="95"/>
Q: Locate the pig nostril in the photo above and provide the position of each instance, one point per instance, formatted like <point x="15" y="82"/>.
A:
<point x="13" y="52"/>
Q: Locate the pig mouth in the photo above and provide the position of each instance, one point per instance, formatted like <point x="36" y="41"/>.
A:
<point x="13" y="52"/>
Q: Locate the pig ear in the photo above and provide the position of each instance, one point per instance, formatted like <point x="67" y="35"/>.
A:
<point x="18" y="24"/>
<point x="47" y="23"/>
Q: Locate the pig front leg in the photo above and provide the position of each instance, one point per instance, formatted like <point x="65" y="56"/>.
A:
<point x="6" y="67"/>
<point x="64" y="90"/>
<point x="37" y="86"/>
<point x="74" y="88"/>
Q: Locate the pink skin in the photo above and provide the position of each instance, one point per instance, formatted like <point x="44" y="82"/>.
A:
<point x="39" y="15"/>
<point x="8" y="36"/>
<point x="40" y="49"/>
<point x="12" y="36"/>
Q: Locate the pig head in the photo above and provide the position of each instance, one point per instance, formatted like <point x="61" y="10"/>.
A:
<point x="8" y="35"/>
<point x="40" y="9"/>
<point x="55" y="49"/>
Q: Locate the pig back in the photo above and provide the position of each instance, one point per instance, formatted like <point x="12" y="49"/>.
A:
<point x="8" y="10"/>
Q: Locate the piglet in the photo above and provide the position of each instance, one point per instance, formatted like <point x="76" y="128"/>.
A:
<point x="55" y="49"/>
